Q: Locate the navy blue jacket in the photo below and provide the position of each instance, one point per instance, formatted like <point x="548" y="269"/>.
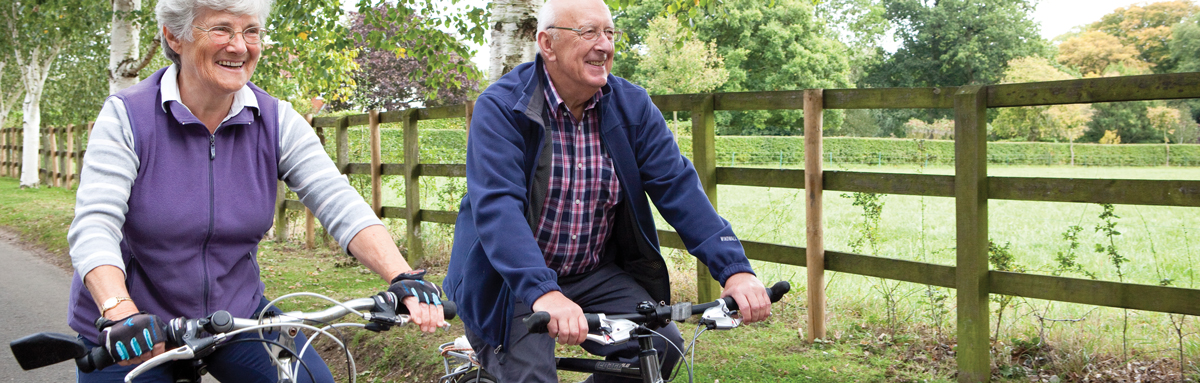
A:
<point x="496" y="258"/>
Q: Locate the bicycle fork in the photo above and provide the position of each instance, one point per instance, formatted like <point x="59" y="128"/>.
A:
<point x="648" y="358"/>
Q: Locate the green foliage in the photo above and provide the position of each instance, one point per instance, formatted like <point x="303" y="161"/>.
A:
<point x="867" y="234"/>
<point x="676" y="63"/>
<point x="951" y="43"/>
<point x="1038" y="123"/>
<point x="1128" y="119"/>
<point x="1184" y="44"/>
<point x="313" y="50"/>
<point x="956" y="42"/>
<point x="1108" y="227"/>
<point x="1068" y="261"/>
<point x="774" y="46"/>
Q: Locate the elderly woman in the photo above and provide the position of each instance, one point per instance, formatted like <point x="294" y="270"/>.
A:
<point x="179" y="186"/>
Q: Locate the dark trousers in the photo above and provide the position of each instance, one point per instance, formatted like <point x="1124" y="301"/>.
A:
<point x="242" y="362"/>
<point x="530" y="357"/>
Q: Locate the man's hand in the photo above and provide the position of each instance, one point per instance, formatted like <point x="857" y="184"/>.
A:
<point x="422" y="298"/>
<point x="750" y="295"/>
<point x="428" y="317"/>
<point x="567" y="324"/>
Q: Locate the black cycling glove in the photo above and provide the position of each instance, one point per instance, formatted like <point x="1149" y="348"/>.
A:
<point x="412" y="284"/>
<point x="132" y="336"/>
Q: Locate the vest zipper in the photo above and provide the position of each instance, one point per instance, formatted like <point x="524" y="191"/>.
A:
<point x="212" y="155"/>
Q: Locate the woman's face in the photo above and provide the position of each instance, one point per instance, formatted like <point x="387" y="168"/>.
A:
<point x="216" y="69"/>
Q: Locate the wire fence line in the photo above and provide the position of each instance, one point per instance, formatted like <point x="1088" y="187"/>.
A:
<point x="790" y="159"/>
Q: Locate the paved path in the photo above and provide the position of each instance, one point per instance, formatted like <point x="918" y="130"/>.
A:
<point x="33" y="298"/>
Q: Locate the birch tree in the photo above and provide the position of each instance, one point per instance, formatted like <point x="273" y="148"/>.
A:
<point x="125" y="60"/>
<point x="10" y="92"/>
<point x="513" y="35"/>
<point x="36" y="33"/>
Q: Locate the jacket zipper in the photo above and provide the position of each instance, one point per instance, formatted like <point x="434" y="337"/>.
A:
<point x="212" y="155"/>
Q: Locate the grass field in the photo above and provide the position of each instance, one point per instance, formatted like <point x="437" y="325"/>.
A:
<point x="1070" y="341"/>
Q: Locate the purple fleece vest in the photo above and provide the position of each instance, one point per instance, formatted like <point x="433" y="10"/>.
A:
<point x="197" y="210"/>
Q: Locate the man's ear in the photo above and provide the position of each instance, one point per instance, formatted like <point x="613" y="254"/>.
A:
<point x="545" y="45"/>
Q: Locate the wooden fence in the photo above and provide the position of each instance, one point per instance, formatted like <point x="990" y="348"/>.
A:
<point x="970" y="186"/>
<point x="60" y="154"/>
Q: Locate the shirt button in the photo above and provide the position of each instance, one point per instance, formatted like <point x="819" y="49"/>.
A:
<point x="580" y="165"/>
<point x="578" y="202"/>
<point x="574" y="236"/>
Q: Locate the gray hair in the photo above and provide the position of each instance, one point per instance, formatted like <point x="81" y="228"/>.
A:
<point x="547" y="16"/>
<point x="178" y="15"/>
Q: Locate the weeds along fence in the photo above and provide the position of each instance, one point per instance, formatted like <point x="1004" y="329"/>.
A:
<point x="970" y="186"/>
<point x="60" y="156"/>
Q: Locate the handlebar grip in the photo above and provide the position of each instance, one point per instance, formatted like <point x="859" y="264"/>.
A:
<point x="537" y="322"/>
<point x="450" y="309"/>
<point x="96" y="359"/>
<point x="776" y="293"/>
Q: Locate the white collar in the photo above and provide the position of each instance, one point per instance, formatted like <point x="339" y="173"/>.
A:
<point x="169" y="89"/>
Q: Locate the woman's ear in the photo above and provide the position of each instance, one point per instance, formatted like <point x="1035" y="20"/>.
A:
<point x="170" y="39"/>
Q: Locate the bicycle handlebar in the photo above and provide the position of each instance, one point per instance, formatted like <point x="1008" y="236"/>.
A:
<point x="43" y="349"/>
<point x="537" y="322"/>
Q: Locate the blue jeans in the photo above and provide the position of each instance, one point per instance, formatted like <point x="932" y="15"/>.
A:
<point x="241" y="362"/>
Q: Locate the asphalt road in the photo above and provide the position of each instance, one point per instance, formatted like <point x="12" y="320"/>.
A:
<point x="33" y="298"/>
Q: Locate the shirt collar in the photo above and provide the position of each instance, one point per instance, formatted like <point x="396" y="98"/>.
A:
<point x="169" y="86"/>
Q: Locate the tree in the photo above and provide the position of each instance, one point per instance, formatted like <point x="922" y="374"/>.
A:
<point x="1038" y="123"/>
<point x="37" y="32"/>
<point x="1093" y="51"/>
<point x="514" y="35"/>
<point x="382" y="76"/>
<point x="956" y="42"/>
<point x="10" y="89"/>
<point x="1127" y="120"/>
<point x="675" y="63"/>
<point x="1164" y="120"/>
<point x="125" y="59"/>
<point x="951" y="43"/>
<point x="312" y="51"/>
<point x="1148" y="28"/>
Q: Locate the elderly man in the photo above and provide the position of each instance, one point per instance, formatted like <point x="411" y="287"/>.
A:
<point x="561" y="158"/>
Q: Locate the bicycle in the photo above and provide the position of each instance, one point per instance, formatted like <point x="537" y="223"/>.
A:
<point x="187" y="343"/>
<point x="461" y="366"/>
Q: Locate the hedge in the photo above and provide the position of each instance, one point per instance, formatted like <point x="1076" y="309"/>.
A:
<point x="447" y="144"/>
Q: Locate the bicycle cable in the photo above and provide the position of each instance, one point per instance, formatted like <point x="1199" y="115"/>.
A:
<point x="268" y="341"/>
<point x="682" y="355"/>
<point x="351" y="368"/>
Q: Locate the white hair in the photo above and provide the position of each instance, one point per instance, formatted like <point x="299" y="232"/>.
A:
<point x="547" y="16"/>
<point x="178" y="15"/>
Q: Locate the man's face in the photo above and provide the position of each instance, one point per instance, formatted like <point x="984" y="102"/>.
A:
<point x="579" y="67"/>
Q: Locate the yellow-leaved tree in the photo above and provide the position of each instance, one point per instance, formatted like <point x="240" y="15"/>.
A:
<point x="1040" y="123"/>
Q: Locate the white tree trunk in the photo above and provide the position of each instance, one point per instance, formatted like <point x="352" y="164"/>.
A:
<point x="513" y="37"/>
<point x="33" y="76"/>
<point x="125" y="46"/>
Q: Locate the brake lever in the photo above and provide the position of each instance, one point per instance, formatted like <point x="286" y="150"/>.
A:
<point x="612" y="331"/>
<point x="719" y="317"/>
<point x="179" y="353"/>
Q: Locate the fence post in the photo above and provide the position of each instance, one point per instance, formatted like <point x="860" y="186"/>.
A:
<point x="704" y="155"/>
<point x="470" y="105"/>
<point x="971" y="211"/>
<point x="376" y="163"/>
<point x="412" y="188"/>
<point x="69" y="157"/>
<point x="57" y="157"/>
<point x="310" y="241"/>
<point x="3" y="151"/>
<point x="44" y="166"/>
<point x="814" y="183"/>
<point x="342" y="135"/>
